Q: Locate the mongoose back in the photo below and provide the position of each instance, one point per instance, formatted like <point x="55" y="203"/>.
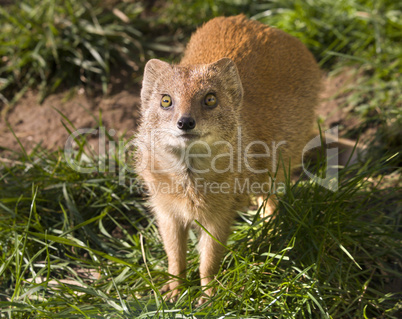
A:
<point x="215" y="128"/>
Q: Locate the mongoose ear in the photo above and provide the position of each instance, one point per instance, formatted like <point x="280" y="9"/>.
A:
<point x="223" y="63"/>
<point x="231" y="78"/>
<point x="153" y="70"/>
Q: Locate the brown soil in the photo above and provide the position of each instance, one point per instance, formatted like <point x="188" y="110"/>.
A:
<point x="333" y="109"/>
<point x="34" y="123"/>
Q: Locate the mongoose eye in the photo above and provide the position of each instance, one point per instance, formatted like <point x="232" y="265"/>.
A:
<point x="166" y="101"/>
<point x="210" y="100"/>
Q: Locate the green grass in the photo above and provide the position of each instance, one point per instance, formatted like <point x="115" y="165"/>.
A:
<point x="79" y="245"/>
<point x="53" y="43"/>
<point x="324" y="255"/>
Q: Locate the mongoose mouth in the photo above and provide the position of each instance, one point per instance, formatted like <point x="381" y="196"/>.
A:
<point x="189" y="136"/>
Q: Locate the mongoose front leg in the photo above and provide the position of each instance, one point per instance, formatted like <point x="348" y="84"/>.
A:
<point x="174" y="234"/>
<point x="211" y="252"/>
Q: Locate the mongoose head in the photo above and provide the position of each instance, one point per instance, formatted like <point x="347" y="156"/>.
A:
<point x="183" y="104"/>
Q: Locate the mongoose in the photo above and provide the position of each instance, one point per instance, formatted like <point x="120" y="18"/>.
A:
<point x="215" y="128"/>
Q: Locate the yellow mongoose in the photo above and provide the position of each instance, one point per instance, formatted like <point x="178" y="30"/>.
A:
<point x="213" y="128"/>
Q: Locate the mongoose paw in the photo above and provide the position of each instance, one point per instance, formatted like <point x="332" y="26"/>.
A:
<point x="205" y="296"/>
<point x="171" y="292"/>
<point x="203" y="299"/>
<point x="267" y="210"/>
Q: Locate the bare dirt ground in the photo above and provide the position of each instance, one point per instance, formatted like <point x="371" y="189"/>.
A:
<point x="35" y="123"/>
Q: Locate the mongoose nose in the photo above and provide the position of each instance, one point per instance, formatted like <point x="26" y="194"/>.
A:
<point x="186" y="123"/>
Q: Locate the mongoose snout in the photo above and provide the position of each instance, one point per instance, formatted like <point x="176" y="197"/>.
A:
<point x="186" y="123"/>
